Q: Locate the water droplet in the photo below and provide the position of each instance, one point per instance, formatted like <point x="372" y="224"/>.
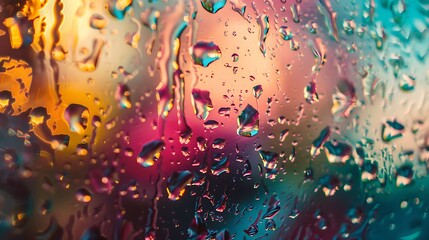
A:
<point x="204" y="53"/>
<point x="273" y="208"/>
<point x="369" y="170"/>
<point x="404" y="175"/>
<point x="177" y="182"/>
<point x="344" y="99"/>
<point x="312" y="27"/>
<point x="201" y="144"/>
<point x="58" y="53"/>
<point x="235" y="57"/>
<point x="283" y="134"/>
<point x="97" y="21"/>
<point x="83" y="195"/>
<point x="270" y="225"/>
<point x="211" y="124"/>
<point x="201" y="102"/>
<point x="221" y="204"/>
<point x="247" y="169"/>
<point x="319" y="51"/>
<point x="21" y="31"/>
<point x="76" y="117"/>
<point x="90" y="63"/>
<point x="349" y="26"/>
<point x="38" y="116"/>
<point x="219" y="143"/>
<point x="253" y="229"/>
<point x="294" y="45"/>
<point x="269" y="160"/>
<point x="118" y="8"/>
<point x="319" y="141"/>
<point x="248" y="122"/>
<point x="257" y="91"/>
<point x="329" y="184"/>
<point x="310" y="93"/>
<point x="150" y="17"/>
<point x="238" y="6"/>
<point x="264" y="27"/>
<point x="213" y="6"/>
<point x="308" y="174"/>
<point x="46" y="207"/>
<point x="150" y="153"/>
<point x="285" y="33"/>
<point x="220" y="166"/>
<point x="355" y="215"/>
<point x="397" y="62"/>
<point x="338" y="152"/>
<point x="294" y="213"/>
<point x="407" y="83"/>
<point x="122" y="96"/>
<point x="295" y="9"/>
<point x="391" y="129"/>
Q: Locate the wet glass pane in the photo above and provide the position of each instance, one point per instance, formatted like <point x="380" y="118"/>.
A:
<point x="214" y="119"/>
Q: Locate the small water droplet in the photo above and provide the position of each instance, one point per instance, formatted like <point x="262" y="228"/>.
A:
<point x="97" y="21"/>
<point x="83" y="195"/>
<point x="285" y="33"/>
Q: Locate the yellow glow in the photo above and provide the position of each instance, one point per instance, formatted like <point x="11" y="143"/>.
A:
<point x="36" y="120"/>
<point x="14" y="33"/>
<point x="4" y="103"/>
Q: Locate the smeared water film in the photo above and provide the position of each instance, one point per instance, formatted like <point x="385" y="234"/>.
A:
<point x="214" y="119"/>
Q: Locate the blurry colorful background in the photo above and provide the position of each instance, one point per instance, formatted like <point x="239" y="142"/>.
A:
<point x="214" y="119"/>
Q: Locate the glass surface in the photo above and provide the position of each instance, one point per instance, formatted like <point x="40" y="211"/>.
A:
<point x="214" y="119"/>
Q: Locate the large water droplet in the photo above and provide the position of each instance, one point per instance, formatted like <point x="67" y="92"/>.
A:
<point x="248" y="122"/>
<point x="204" y="53"/>
<point x="150" y="153"/>
<point x="213" y="6"/>
<point x="177" y="182"/>
<point x="202" y="103"/>
<point x="77" y="118"/>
